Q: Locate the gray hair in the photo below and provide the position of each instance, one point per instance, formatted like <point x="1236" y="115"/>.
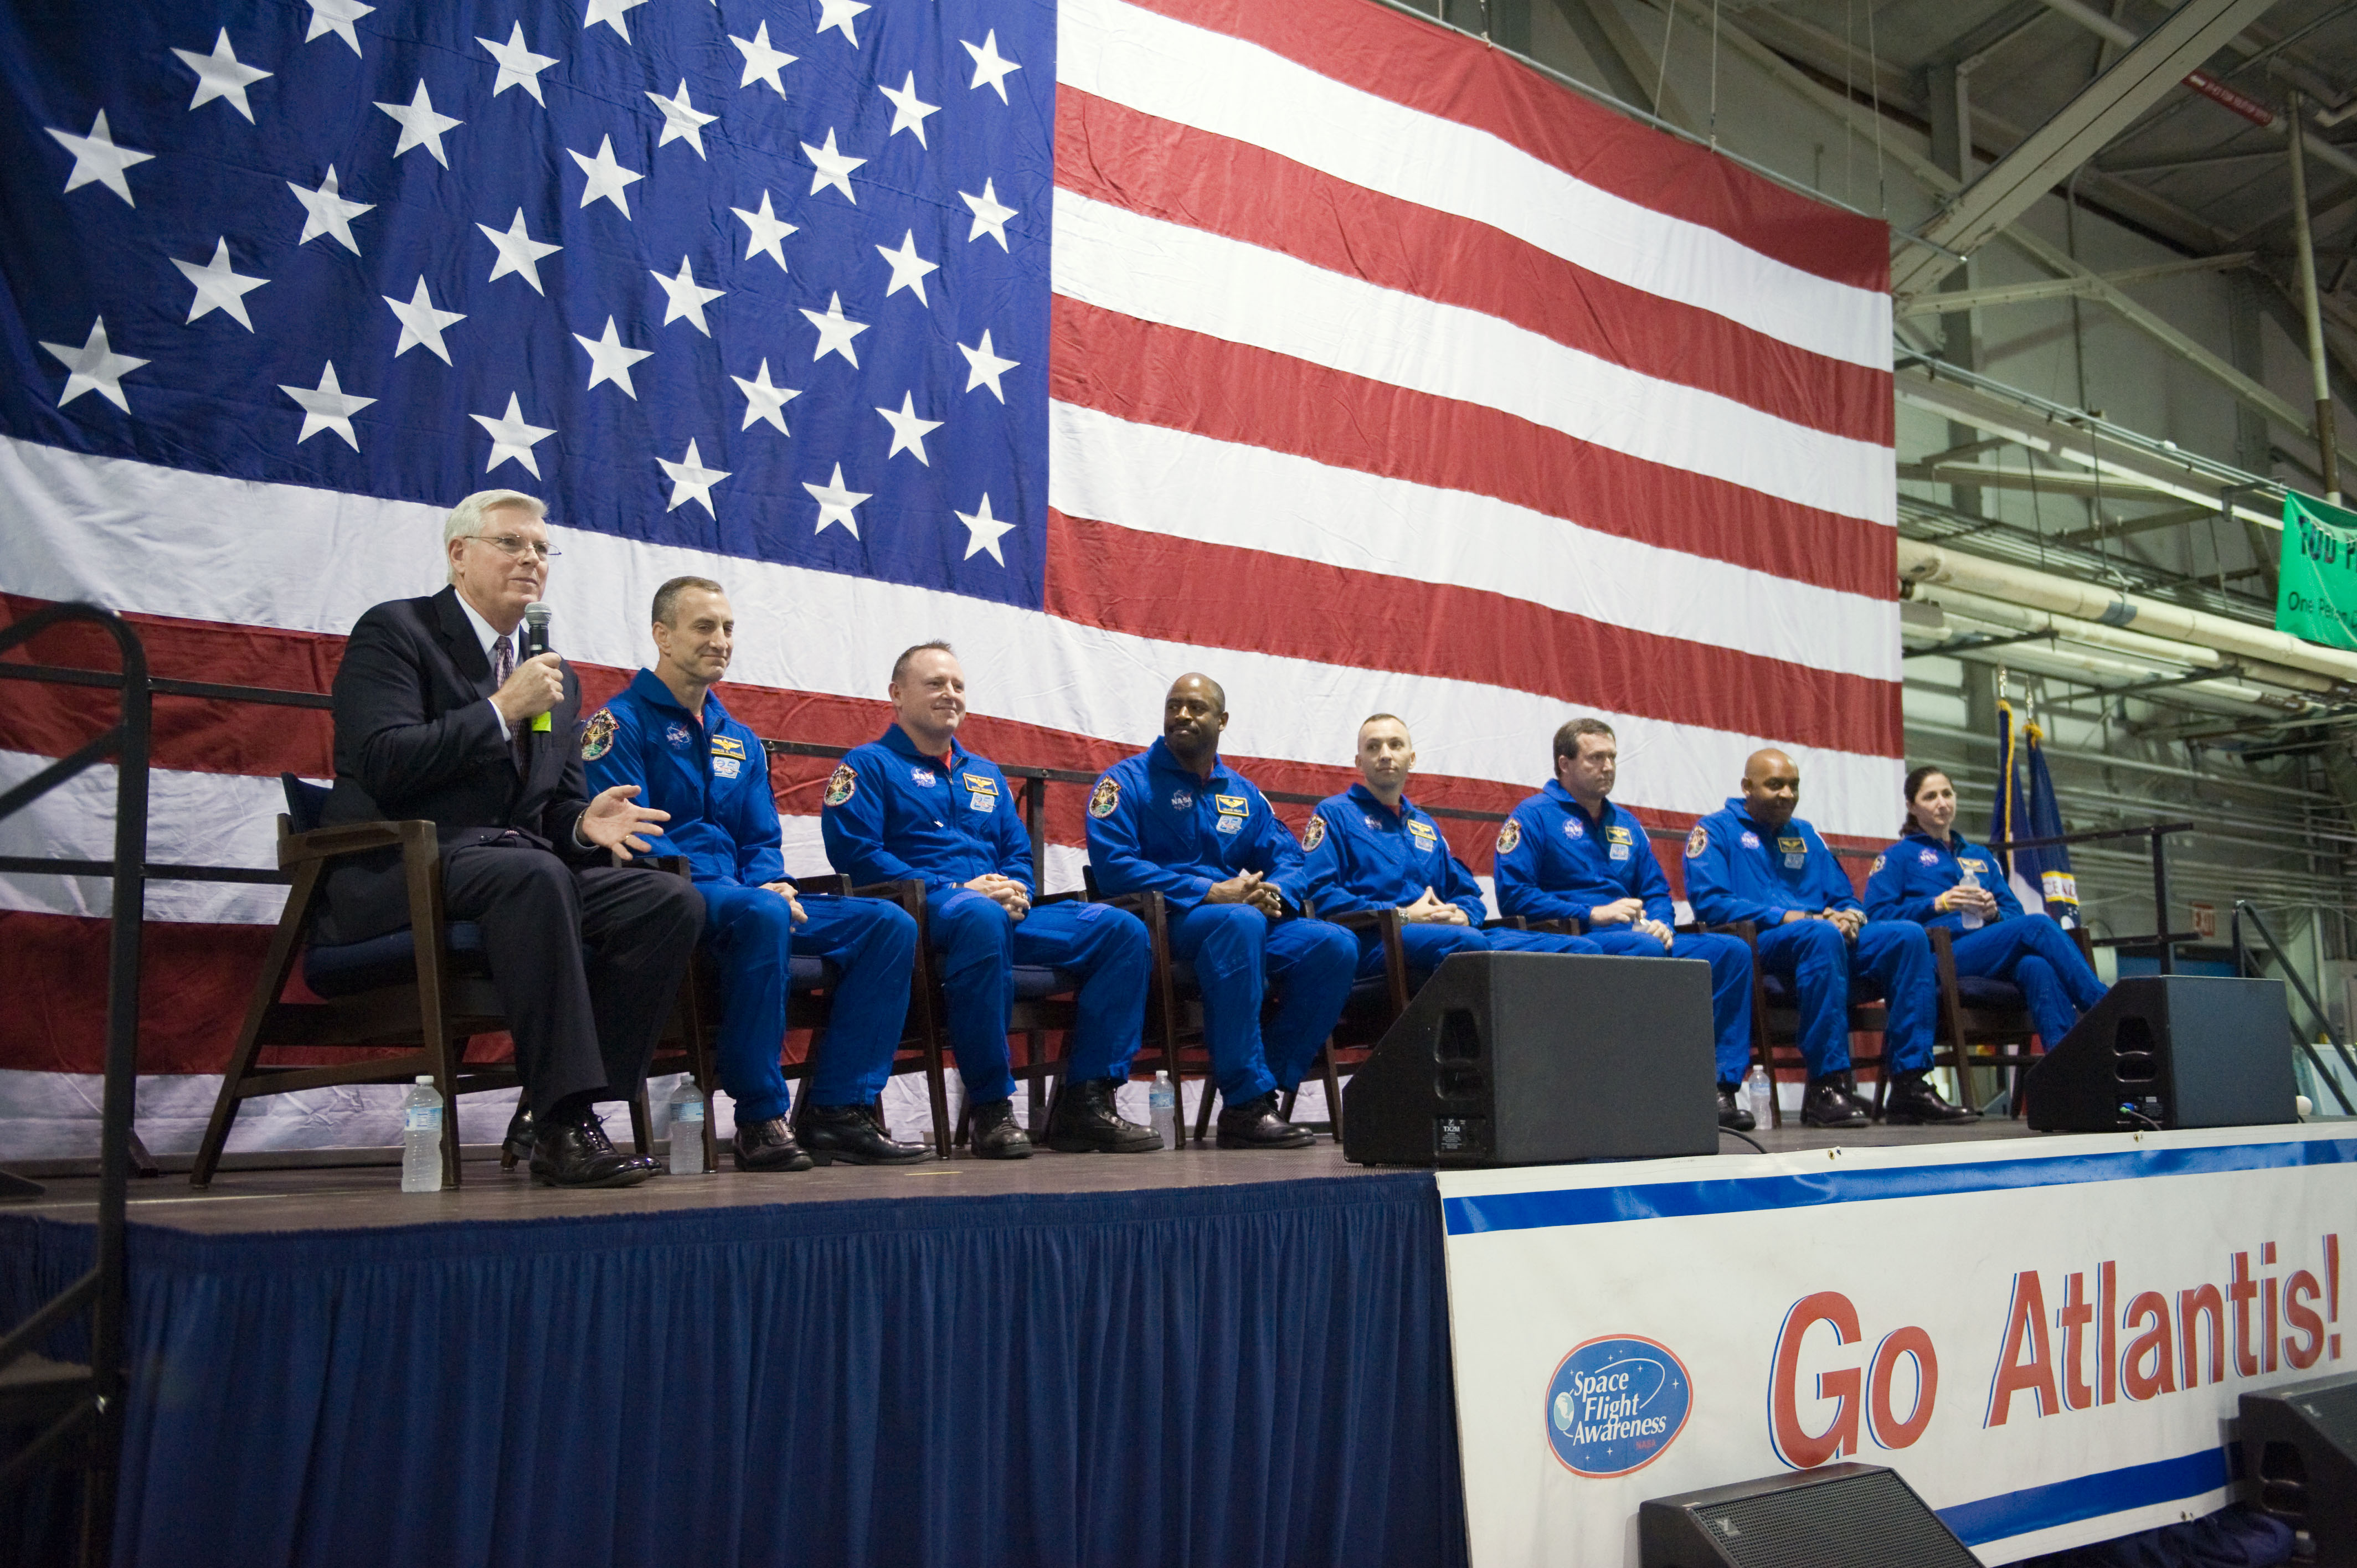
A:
<point x="466" y="518"/>
<point x="666" y="603"/>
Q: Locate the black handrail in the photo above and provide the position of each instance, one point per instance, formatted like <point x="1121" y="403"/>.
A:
<point x="2164" y="940"/>
<point x="99" y="1407"/>
<point x="2243" y="906"/>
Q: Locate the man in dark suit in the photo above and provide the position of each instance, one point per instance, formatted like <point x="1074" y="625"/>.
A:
<point x="435" y="704"/>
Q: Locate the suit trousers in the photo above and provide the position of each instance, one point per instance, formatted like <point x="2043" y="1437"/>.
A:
<point x="583" y="1023"/>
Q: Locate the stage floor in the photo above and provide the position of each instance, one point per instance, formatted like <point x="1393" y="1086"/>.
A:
<point x="358" y="1196"/>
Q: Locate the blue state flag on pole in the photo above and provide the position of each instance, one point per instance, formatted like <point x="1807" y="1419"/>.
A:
<point x="2025" y="809"/>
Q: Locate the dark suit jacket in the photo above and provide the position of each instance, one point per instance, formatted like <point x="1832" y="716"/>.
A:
<point x="415" y="740"/>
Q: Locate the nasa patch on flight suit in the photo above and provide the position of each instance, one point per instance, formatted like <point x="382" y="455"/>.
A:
<point x="1313" y="835"/>
<point x="1877" y="866"/>
<point x="1794" y="851"/>
<point x="1697" y="841"/>
<point x="728" y="756"/>
<point x="1105" y="798"/>
<point x="598" y="735"/>
<point x="981" y="791"/>
<point x="1619" y="840"/>
<point x="840" y="787"/>
<point x="1510" y="836"/>
<point x="1232" y="809"/>
<point x="1424" y="836"/>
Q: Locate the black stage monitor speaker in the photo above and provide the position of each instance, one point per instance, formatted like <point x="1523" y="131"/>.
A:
<point x="1837" y="1516"/>
<point x="2169" y="1050"/>
<point x="2299" y="1443"/>
<point x="1522" y="1059"/>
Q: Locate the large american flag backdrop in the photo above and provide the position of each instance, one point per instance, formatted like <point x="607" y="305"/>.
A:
<point x="1307" y="344"/>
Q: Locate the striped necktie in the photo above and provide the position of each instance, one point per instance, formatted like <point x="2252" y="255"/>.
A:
<point x="502" y="666"/>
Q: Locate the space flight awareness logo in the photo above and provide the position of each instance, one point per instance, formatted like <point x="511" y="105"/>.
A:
<point x="1616" y="1404"/>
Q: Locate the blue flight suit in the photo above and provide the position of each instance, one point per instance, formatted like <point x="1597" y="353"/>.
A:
<point x="1734" y="872"/>
<point x="892" y="814"/>
<point x="712" y="775"/>
<point x="2031" y="951"/>
<point x="1556" y="863"/>
<point x="1154" y="824"/>
<point x="1361" y="855"/>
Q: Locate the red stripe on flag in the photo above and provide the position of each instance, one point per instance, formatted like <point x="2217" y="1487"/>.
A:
<point x="1157" y="585"/>
<point x="1113" y="153"/>
<point x="1152" y="374"/>
<point x="1414" y="63"/>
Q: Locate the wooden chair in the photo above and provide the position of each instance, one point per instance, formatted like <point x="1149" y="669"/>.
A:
<point x="408" y="1001"/>
<point x="1986" y="1022"/>
<point x="1174" y="1003"/>
<point x="1776" y="1026"/>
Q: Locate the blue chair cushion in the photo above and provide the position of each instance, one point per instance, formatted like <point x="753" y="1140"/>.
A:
<point x="1033" y="981"/>
<point x="1780" y="993"/>
<point x="305" y="802"/>
<point x="1979" y="992"/>
<point x="804" y="972"/>
<point x="345" y="969"/>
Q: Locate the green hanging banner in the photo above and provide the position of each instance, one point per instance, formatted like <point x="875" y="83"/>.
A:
<point x="2317" y="594"/>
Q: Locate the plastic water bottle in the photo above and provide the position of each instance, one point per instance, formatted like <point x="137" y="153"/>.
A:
<point x="421" y="1138"/>
<point x="1162" y="1100"/>
<point x="687" y="1128"/>
<point x="1971" y="917"/>
<point x="1761" y="1094"/>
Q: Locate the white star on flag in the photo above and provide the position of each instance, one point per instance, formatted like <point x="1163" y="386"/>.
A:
<point x="96" y="157"/>
<point x="762" y="63"/>
<point x="606" y="178"/>
<point x="611" y="359"/>
<point x="835" y="330"/>
<point x="687" y="298"/>
<point x="908" y="432"/>
<point x="764" y="401"/>
<point x="692" y="481"/>
<point x="984" y="368"/>
<point x="327" y="406"/>
<point x="519" y="253"/>
<point x="834" y="503"/>
<point x="611" y="13"/>
<point x="838" y="14"/>
<point x="983" y="531"/>
<point x="324" y="212"/>
<point x="220" y="75"/>
<point x="990" y="67"/>
<point x="833" y="168"/>
<point x="519" y="66"/>
<point x="511" y="437"/>
<point x="766" y="230"/>
<point x="909" y="110"/>
<point x="419" y="126"/>
<point x="96" y="367"/>
<point x="989" y="216"/>
<point x="421" y="324"/>
<point x="908" y="269"/>
<point x="337" y="16"/>
<point x="683" y="121"/>
<point x="220" y="286"/>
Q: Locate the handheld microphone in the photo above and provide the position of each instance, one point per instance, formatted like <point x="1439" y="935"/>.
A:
<point x="535" y="643"/>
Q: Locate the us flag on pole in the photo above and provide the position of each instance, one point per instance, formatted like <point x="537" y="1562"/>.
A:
<point x="1308" y="345"/>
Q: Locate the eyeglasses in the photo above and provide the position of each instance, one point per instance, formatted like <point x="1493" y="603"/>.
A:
<point x="515" y="545"/>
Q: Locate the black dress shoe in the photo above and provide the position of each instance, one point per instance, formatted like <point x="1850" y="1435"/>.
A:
<point x="1732" y="1114"/>
<point x="1254" y="1124"/>
<point x="577" y="1153"/>
<point x="996" y="1135"/>
<point x="1913" y="1099"/>
<point x="850" y="1133"/>
<point x="1827" y="1104"/>
<point x="516" y="1148"/>
<point x="768" y="1145"/>
<point x="1083" y="1121"/>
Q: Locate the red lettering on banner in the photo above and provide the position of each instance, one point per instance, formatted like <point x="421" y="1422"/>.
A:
<point x="2192" y="1305"/>
<point x="2072" y="1317"/>
<point x="2149" y="1365"/>
<point x="1889" y="1431"/>
<point x="1800" y="1449"/>
<point x="2243" y="1290"/>
<point x="2024" y="1327"/>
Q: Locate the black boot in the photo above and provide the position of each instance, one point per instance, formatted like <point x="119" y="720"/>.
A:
<point x="1254" y="1124"/>
<point x="769" y="1147"/>
<point x="1827" y="1104"/>
<point x="1083" y="1119"/>
<point x="1732" y="1114"/>
<point x="996" y="1135"/>
<point x="851" y="1134"/>
<point x="1912" y="1099"/>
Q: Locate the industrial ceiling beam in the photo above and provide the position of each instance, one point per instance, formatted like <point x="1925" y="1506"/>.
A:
<point x="2072" y="135"/>
<point x="2062" y="287"/>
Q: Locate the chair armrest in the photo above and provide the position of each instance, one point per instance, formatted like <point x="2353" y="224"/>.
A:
<point x="352" y="838"/>
<point x="1507" y="923"/>
<point x="1745" y="931"/>
<point x="1363" y="919"/>
<point x="670" y="864"/>
<point x="908" y="893"/>
<point x="821" y="885"/>
<point x="1565" y="925"/>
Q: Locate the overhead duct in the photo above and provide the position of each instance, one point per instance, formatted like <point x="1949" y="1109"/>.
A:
<point x="1931" y="564"/>
<point x="2014" y="618"/>
<point x="2224" y="695"/>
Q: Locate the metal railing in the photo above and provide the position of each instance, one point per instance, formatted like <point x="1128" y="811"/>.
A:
<point x="2164" y="940"/>
<point x="2320" y="1023"/>
<point x="97" y="1404"/>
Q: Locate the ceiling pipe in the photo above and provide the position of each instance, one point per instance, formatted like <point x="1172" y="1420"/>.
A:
<point x="2104" y="671"/>
<point x="1933" y="564"/>
<point x="2165" y="654"/>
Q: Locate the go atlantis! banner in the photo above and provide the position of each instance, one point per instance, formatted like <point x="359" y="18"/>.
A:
<point x="2046" y="1338"/>
<point x="2316" y="597"/>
